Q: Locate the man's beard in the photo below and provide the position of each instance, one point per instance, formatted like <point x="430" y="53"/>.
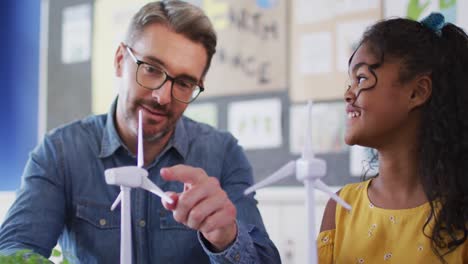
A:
<point x="161" y="134"/>
<point x="156" y="137"/>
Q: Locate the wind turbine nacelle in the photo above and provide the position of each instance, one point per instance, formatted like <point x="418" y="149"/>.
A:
<point x="310" y="169"/>
<point x="129" y="176"/>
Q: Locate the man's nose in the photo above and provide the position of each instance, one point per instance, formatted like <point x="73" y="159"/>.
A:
<point x="163" y="94"/>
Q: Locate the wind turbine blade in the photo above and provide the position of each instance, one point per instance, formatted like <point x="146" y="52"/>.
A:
<point x="324" y="188"/>
<point x="280" y="174"/>
<point x="116" y="202"/>
<point x="140" y="158"/>
<point x="307" y="151"/>
<point x="148" y="185"/>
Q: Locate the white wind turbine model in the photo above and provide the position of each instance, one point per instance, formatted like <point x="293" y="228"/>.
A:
<point x="129" y="177"/>
<point x="309" y="170"/>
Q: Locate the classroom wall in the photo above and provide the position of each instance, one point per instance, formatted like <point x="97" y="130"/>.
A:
<point x="19" y="78"/>
<point x="282" y="207"/>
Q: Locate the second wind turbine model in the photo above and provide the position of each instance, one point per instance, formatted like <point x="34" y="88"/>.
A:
<point x="309" y="170"/>
<point x="129" y="177"/>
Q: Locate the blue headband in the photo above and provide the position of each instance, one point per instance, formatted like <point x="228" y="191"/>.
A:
<point x="435" y="22"/>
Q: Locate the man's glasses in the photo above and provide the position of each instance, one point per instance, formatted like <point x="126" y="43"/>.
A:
<point x="152" y="77"/>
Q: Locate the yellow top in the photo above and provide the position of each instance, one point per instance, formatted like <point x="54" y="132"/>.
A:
<point x="368" y="234"/>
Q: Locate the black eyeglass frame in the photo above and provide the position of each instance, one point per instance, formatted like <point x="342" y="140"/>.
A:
<point x="168" y="77"/>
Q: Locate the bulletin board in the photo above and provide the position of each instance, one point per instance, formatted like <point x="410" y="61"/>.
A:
<point x="323" y="36"/>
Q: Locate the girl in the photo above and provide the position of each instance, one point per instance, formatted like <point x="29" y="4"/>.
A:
<point x="408" y="99"/>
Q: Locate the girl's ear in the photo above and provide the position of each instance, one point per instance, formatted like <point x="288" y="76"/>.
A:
<point x="118" y="60"/>
<point x="421" y="91"/>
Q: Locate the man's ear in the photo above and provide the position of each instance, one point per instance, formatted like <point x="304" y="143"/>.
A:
<point x="119" y="59"/>
<point x="421" y="91"/>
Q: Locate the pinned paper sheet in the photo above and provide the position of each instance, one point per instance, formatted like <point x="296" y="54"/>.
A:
<point x="343" y="7"/>
<point x="217" y="11"/>
<point x="204" y="112"/>
<point x="251" y="52"/>
<point x="256" y="123"/>
<point x="311" y="11"/>
<point x="315" y="54"/>
<point x="462" y="21"/>
<point x="327" y="125"/>
<point x="76" y="34"/>
<point x="348" y="36"/>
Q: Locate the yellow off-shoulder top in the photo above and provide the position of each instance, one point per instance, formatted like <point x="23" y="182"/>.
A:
<point x="368" y="234"/>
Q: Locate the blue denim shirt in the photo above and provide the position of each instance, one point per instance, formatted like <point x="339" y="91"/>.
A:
<point x="64" y="196"/>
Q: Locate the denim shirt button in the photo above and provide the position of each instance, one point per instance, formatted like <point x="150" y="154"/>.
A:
<point x="237" y="257"/>
<point x="102" y="222"/>
<point x="142" y="223"/>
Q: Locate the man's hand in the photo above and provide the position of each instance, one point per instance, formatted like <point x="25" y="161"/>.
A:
<point x="203" y="205"/>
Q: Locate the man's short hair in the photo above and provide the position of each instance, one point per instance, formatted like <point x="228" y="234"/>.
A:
<point x="180" y="16"/>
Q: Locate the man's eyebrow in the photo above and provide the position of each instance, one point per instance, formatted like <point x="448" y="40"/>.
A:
<point x="187" y="77"/>
<point x="153" y="60"/>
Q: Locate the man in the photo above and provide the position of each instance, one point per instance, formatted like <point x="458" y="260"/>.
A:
<point x="161" y="69"/>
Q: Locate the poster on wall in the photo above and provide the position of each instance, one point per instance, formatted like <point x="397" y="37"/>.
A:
<point x="322" y="45"/>
<point x="256" y="123"/>
<point x="348" y="35"/>
<point x="327" y="127"/>
<point x="203" y="112"/>
<point x="251" y="50"/>
<point x="313" y="11"/>
<point x="417" y="9"/>
<point x="76" y="34"/>
<point x="318" y="59"/>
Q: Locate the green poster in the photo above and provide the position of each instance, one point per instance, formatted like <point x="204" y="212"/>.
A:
<point x="416" y="9"/>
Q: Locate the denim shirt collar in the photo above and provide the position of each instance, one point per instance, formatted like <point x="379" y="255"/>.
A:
<point x="111" y="140"/>
<point x="181" y="138"/>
